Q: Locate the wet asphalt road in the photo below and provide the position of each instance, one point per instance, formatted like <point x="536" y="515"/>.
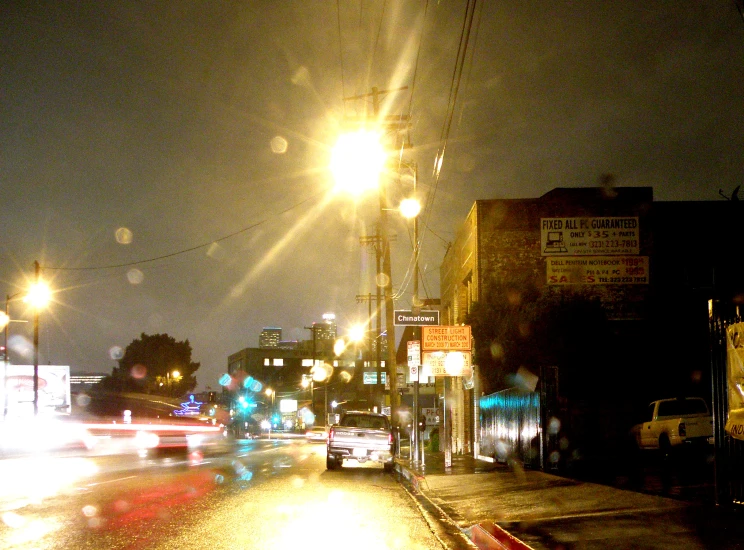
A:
<point x="265" y="494"/>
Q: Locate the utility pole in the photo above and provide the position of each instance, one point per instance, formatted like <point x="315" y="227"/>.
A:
<point x="418" y="447"/>
<point x="312" y="379"/>
<point x="37" y="269"/>
<point x="389" y="122"/>
<point x="376" y="241"/>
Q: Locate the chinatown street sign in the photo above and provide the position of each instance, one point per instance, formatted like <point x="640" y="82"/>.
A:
<point x="409" y="318"/>
<point x="446" y="338"/>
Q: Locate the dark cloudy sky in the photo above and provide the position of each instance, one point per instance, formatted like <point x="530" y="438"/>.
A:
<point x="157" y="120"/>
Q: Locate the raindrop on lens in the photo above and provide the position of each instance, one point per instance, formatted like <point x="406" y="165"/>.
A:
<point x="382" y="280"/>
<point x="90" y="511"/>
<point x="554" y="426"/>
<point x="123" y="235"/>
<point x="138" y="371"/>
<point x="279" y="145"/>
<point x="82" y="400"/>
<point x="116" y="353"/>
<point x="135" y="276"/>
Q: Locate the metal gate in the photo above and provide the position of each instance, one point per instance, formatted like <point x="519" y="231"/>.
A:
<point x="515" y="424"/>
<point x="729" y="452"/>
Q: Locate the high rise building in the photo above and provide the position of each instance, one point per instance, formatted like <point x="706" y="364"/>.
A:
<point x="326" y="330"/>
<point x="270" y="337"/>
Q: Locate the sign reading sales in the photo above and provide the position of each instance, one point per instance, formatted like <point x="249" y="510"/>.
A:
<point x="446" y="338"/>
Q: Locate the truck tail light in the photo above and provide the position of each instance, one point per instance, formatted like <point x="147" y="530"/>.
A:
<point x="682" y="429"/>
<point x="390" y="438"/>
<point x="331" y="433"/>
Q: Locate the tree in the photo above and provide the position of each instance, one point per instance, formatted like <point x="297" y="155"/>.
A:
<point x="154" y="364"/>
<point x="518" y="324"/>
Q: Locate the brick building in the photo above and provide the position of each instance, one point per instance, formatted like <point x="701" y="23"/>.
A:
<point x="652" y="267"/>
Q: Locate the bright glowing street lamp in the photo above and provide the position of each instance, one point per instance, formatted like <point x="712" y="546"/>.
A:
<point x="357" y="161"/>
<point x="357" y="333"/>
<point x="38" y="297"/>
<point x="410" y="208"/>
<point x="271" y="393"/>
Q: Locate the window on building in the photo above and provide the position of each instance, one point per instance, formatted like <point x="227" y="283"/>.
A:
<point x="267" y="362"/>
<point x="278" y="362"/>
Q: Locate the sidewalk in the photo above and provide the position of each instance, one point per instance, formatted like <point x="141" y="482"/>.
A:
<point x="497" y="506"/>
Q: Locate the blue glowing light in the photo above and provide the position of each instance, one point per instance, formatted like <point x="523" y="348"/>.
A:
<point x="189" y="408"/>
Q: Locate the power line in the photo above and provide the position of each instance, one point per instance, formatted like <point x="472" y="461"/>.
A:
<point x="341" y="51"/>
<point x="184" y="251"/>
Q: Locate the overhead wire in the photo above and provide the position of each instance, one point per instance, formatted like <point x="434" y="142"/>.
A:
<point x="186" y="250"/>
<point x="341" y="53"/>
<point x="460" y="62"/>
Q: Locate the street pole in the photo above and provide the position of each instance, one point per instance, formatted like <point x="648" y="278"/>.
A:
<point x="380" y="387"/>
<point x="5" y="357"/>
<point x="417" y="330"/>
<point x="37" y="268"/>
<point x="392" y="369"/>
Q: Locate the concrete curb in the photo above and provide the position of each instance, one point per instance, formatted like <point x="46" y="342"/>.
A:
<point x="485" y="535"/>
<point x="488" y="536"/>
<point x="418" y="482"/>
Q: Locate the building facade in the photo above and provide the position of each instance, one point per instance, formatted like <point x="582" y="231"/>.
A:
<point x="270" y="337"/>
<point x="652" y="266"/>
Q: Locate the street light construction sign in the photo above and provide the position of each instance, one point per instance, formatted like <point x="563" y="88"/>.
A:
<point x="446" y="338"/>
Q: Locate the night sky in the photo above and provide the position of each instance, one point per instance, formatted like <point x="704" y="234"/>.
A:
<point x="165" y="162"/>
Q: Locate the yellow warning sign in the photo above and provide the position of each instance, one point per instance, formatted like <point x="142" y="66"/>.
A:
<point x="446" y="338"/>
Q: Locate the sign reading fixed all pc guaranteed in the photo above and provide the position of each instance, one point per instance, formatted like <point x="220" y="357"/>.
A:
<point x="420" y="318"/>
<point x="601" y="236"/>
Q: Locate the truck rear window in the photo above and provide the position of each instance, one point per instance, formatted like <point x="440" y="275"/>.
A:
<point x="682" y="407"/>
<point x="368" y="422"/>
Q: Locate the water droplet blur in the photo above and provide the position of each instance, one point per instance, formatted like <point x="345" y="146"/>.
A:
<point x="123" y="235"/>
<point x="121" y="506"/>
<point x="219" y="479"/>
<point x="135" y="276"/>
<point x="555" y="457"/>
<point x="90" y="511"/>
<point x="82" y="400"/>
<point x="345" y="377"/>
<point x="301" y="77"/>
<point x="216" y="252"/>
<point x="138" y="371"/>
<point x="554" y="426"/>
<point x="497" y="350"/>
<point x="116" y="352"/>
<point x="279" y="145"/>
<point x="321" y="372"/>
<point x="382" y="280"/>
<point x="514" y="297"/>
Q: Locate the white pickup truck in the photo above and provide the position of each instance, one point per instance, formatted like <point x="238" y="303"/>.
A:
<point x="360" y="436"/>
<point x="673" y="423"/>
